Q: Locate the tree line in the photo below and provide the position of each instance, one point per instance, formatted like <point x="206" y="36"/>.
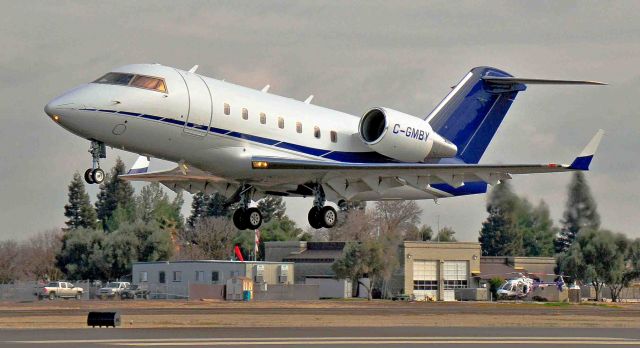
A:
<point x="585" y="252"/>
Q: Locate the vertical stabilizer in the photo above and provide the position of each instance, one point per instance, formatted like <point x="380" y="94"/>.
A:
<point x="470" y="114"/>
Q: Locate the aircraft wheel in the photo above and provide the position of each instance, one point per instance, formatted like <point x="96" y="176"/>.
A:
<point x="97" y="175"/>
<point x="328" y="217"/>
<point x="253" y="218"/>
<point x="313" y="216"/>
<point x="87" y="176"/>
<point x="239" y="219"/>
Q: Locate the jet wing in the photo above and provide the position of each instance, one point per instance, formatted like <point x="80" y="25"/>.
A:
<point x="184" y="177"/>
<point x="358" y="177"/>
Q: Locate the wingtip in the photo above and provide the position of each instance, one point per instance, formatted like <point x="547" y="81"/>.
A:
<point x="583" y="160"/>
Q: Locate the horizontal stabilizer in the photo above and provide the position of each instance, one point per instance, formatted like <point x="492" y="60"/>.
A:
<point x="141" y="165"/>
<point x="526" y="81"/>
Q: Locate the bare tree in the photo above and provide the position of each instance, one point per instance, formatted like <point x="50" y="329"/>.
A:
<point x="358" y="226"/>
<point x="396" y="218"/>
<point x="39" y="255"/>
<point x="9" y="267"/>
<point x="211" y="238"/>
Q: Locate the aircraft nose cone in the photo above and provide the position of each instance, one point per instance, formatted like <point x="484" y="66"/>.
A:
<point x="48" y="109"/>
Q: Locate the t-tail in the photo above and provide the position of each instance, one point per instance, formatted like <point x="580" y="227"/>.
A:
<point x="471" y="113"/>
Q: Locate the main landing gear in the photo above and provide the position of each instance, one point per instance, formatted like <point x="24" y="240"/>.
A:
<point x="321" y="215"/>
<point x="95" y="175"/>
<point x="245" y="217"/>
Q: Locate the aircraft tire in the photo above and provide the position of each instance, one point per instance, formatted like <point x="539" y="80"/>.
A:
<point x="328" y="217"/>
<point x="97" y="175"/>
<point x="239" y="219"/>
<point x="87" y="176"/>
<point x="252" y="218"/>
<point x="314" y="218"/>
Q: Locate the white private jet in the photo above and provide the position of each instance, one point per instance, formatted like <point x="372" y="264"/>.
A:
<point x="245" y="143"/>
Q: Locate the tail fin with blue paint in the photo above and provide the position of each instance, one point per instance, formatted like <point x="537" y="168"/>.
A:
<point x="471" y="113"/>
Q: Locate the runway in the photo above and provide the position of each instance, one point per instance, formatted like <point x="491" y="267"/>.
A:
<point x="323" y="337"/>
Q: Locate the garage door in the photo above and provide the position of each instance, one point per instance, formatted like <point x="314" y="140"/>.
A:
<point x="425" y="280"/>
<point x="456" y="274"/>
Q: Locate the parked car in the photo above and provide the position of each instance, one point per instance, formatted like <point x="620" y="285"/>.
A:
<point x="113" y="290"/>
<point x="54" y="290"/>
<point x="135" y="291"/>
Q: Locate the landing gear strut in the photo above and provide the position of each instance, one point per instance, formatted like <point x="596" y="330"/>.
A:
<point x="321" y="215"/>
<point x="245" y="217"/>
<point x="95" y="175"/>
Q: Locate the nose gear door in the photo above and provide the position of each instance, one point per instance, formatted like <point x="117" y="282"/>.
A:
<point x="200" y="106"/>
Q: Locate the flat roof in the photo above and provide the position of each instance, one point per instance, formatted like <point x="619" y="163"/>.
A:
<point x="211" y="261"/>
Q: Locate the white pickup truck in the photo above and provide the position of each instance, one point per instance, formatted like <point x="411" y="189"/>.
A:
<point x="54" y="290"/>
<point x="113" y="290"/>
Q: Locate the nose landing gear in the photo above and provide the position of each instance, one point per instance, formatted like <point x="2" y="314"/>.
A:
<point x="320" y="215"/>
<point x="95" y="175"/>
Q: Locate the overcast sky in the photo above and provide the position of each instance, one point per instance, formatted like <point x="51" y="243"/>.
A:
<point x="351" y="56"/>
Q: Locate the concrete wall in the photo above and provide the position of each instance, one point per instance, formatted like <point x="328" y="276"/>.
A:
<point x="287" y="292"/>
<point x="331" y="288"/>
<point x="435" y="251"/>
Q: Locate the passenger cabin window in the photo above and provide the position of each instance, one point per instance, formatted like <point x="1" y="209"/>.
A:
<point x="280" y="122"/>
<point x="215" y="276"/>
<point x="227" y="109"/>
<point x="161" y="277"/>
<point x="334" y="137"/>
<point x="148" y="82"/>
<point x="299" y="127"/>
<point x="245" y="113"/>
<point x="263" y="118"/>
<point x="113" y="78"/>
<point x="316" y="132"/>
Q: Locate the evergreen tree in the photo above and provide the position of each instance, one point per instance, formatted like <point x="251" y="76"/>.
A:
<point x="272" y="207"/>
<point x="539" y="233"/>
<point x="580" y="212"/>
<point x="79" y="210"/>
<point x="446" y="234"/>
<point x="114" y="193"/>
<point x="499" y="235"/>
<point x="153" y="204"/>
<point x="199" y="206"/>
<point x="217" y="206"/>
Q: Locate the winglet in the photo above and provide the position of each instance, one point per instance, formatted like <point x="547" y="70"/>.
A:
<point x="583" y="160"/>
<point x="141" y="165"/>
<point x="193" y="69"/>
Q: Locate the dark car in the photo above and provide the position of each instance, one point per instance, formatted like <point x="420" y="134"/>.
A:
<point x="133" y="292"/>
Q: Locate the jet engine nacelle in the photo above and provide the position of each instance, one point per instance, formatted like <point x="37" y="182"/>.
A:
<point x="403" y="137"/>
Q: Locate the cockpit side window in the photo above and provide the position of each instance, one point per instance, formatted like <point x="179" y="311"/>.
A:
<point x="113" y="78"/>
<point x="149" y="82"/>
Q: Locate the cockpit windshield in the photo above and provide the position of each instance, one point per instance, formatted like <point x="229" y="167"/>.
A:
<point x="113" y="78"/>
<point x="139" y="81"/>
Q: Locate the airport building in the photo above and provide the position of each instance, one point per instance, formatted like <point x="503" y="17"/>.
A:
<point x="175" y="278"/>
<point x="427" y="270"/>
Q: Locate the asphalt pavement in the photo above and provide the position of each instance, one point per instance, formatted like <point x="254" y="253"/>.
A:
<point x="323" y="337"/>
